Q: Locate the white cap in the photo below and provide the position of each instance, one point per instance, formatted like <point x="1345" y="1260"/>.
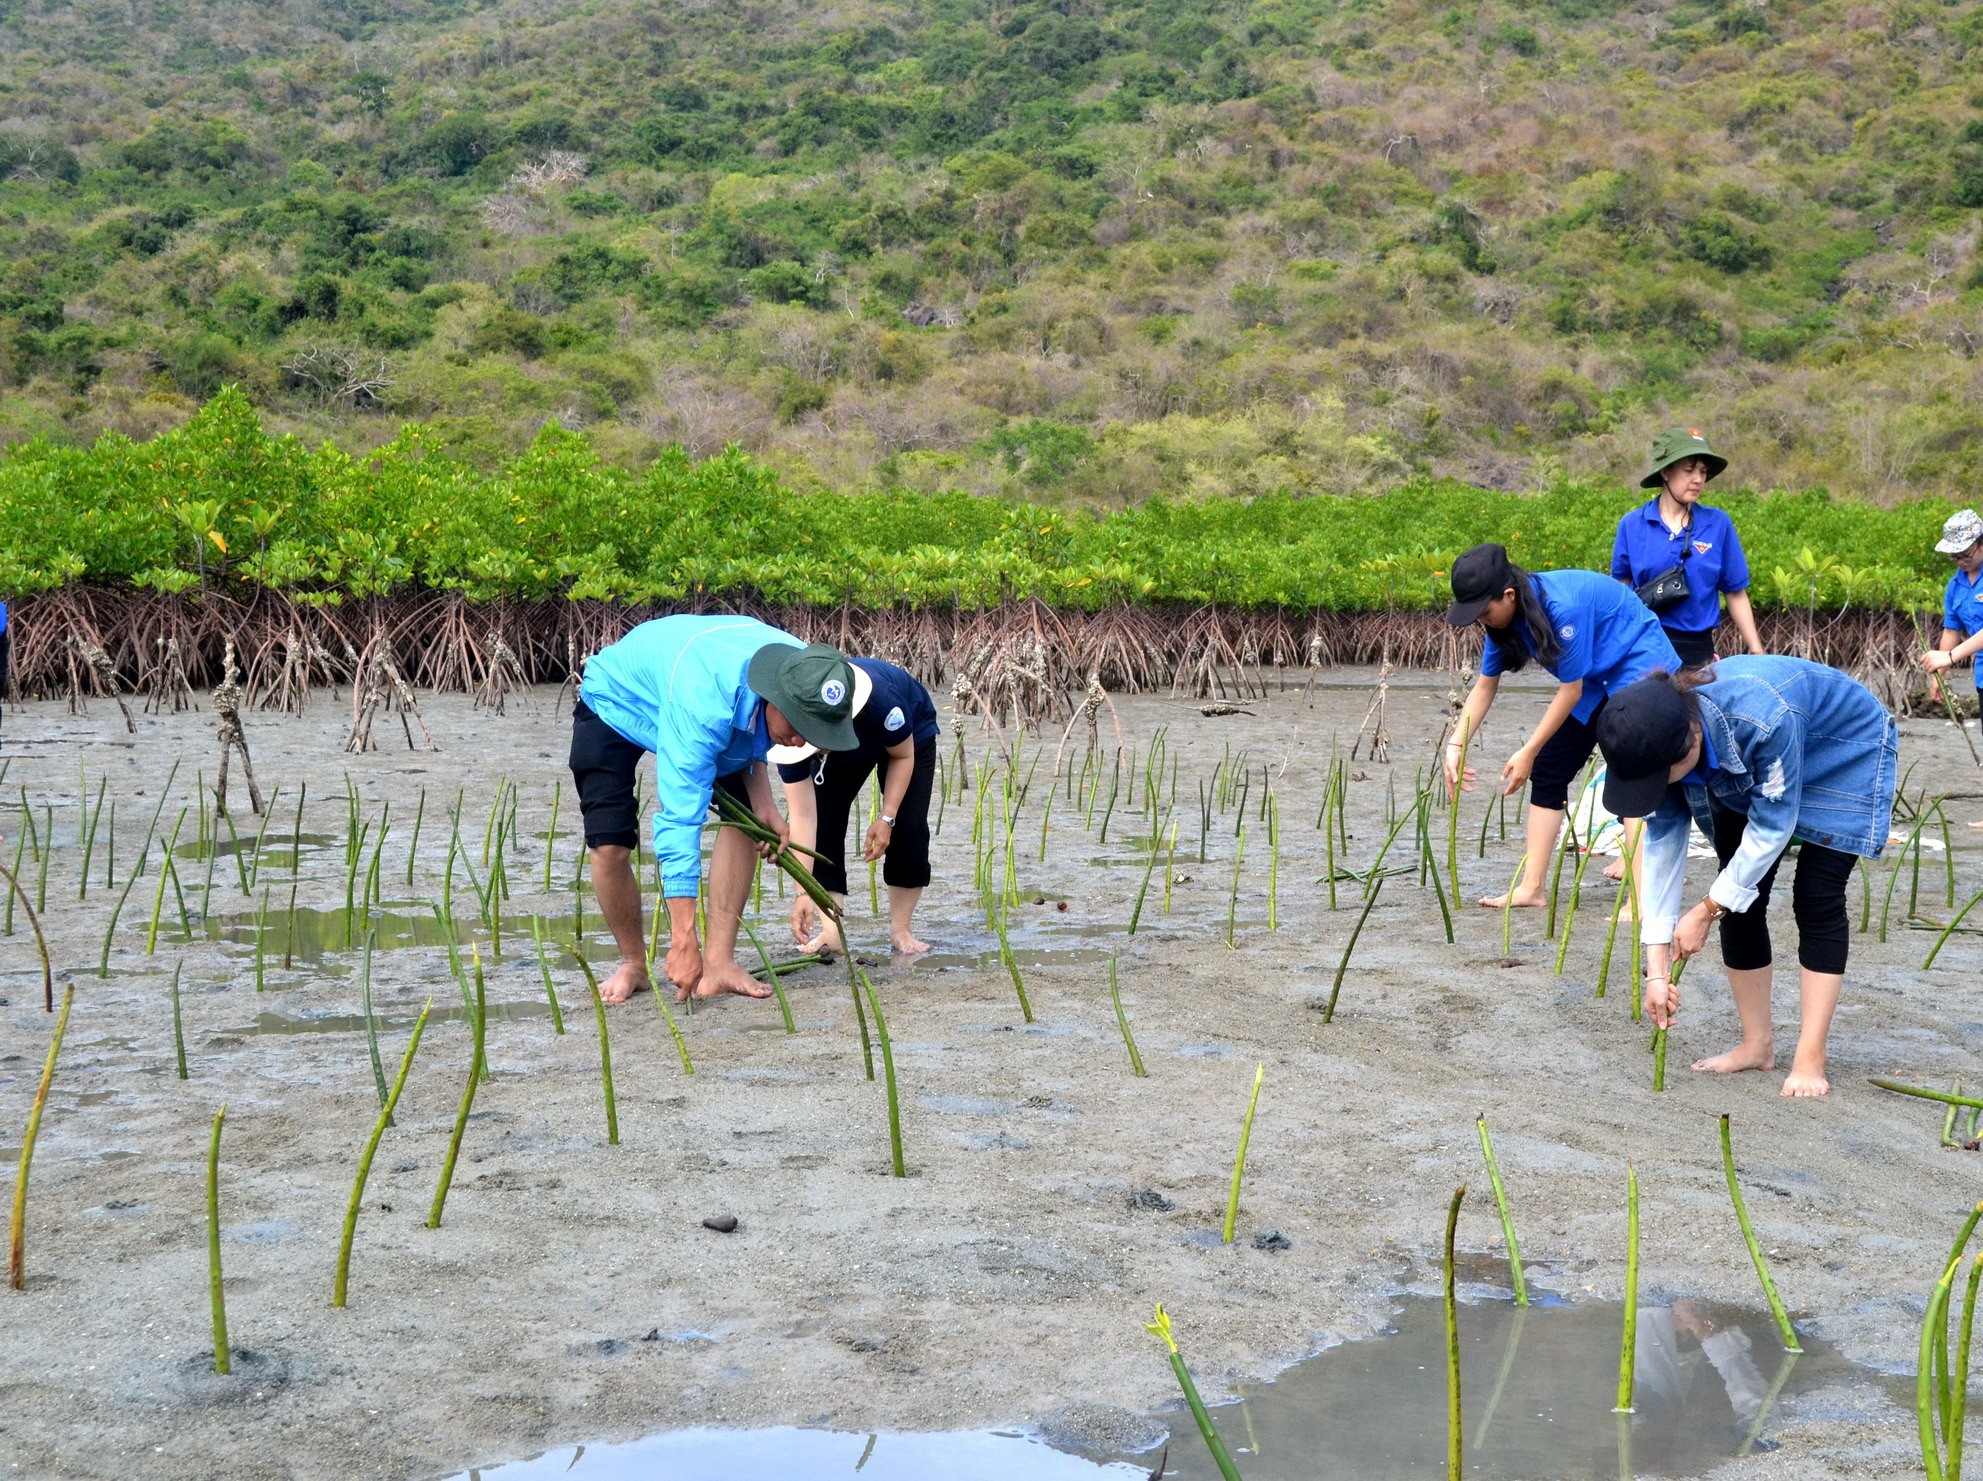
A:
<point x="793" y="755"/>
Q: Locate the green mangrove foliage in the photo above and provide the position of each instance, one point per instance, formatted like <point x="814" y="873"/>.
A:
<point x="222" y="504"/>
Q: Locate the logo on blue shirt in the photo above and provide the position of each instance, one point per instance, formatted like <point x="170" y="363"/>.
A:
<point x="896" y="719"/>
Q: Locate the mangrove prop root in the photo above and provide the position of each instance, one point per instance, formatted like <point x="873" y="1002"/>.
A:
<point x="16" y="1260"/>
<point x="1161" y="1327"/>
<point x="1501" y="1205"/>
<point x="342" y="1282"/>
<point x="1788" y="1333"/>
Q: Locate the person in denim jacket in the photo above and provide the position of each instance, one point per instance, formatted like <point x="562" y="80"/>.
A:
<point x="1760" y="752"/>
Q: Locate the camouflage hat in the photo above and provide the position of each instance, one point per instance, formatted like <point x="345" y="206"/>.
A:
<point x="1674" y="444"/>
<point x="1962" y="530"/>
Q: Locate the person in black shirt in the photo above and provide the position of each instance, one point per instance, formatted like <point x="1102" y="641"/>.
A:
<point x="895" y="722"/>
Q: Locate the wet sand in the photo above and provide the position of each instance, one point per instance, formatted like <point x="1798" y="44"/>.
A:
<point x="572" y="1293"/>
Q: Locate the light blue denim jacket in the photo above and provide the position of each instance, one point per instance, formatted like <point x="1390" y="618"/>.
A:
<point x="1800" y="749"/>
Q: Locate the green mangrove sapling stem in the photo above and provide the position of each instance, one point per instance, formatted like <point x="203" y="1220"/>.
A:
<point x="1501" y="1205"/>
<point x="371" y="1024"/>
<point x="1454" y="1428"/>
<point x="1948" y="930"/>
<point x="1239" y="1160"/>
<point x="164" y="874"/>
<point x="605" y="1051"/>
<point x="544" y="970"/>
<point x="15" y="892"/>
<point x="178" y="1024"/>
<point x="1508" y="909"/>
<point x="888" y="1077"/>
<point x="342" y="1281"/>
<point x="1336" y="988"/>
<point x="17" y="1232"/>
<point x="771" y="975"/>
<point x="461" y="1115"/>
<point x="1781" y="1317"/>
<point x="1629" y="1344"/>
<point x="221" y="1350"/>
<point x="1161" y="1327"/>
<point x="1122" y="1022"/>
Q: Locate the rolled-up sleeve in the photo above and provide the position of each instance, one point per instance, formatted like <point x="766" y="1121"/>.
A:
<point x="684" y="779"/>
<point x="1775" y="794"/>
<point x="1663" y="869"/>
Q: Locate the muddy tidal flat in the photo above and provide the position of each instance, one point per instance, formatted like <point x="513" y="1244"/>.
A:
<point x="573" y="1294"/>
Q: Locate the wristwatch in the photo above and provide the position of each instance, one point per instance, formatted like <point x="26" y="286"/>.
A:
<point x="1716" y="910"/>
<point x="888" y="819"/>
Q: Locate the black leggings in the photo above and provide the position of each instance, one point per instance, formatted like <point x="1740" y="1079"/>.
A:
<point x="836" y="778"/>
<point x="1817" y="900"/>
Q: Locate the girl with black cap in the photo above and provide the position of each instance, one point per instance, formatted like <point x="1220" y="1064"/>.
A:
<point x="895" y="726"/>
<point x="1683" y="557"/>
<point x="1592" y="635"/>
<point x="1759" y="752"/>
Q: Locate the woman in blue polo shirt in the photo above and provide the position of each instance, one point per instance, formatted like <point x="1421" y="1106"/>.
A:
<point x="895" y="723"/>
<point x="1962" y="602"/>
<point x="1592" y="635"/>
<point x="1675" y="531"/>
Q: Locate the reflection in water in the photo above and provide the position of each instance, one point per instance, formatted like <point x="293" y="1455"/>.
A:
<point x="1538" y="1386"/>
<point x="788" y="1454"/>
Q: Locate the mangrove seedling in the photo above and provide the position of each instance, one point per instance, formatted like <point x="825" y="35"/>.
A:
<point x="1628" y="1345"/>
<point x="1508" y="913"/>
<point x="1161" y="1327"/>
<point x="1239" y="1160"/>
<point x="605" y="1048"/>
<point x="221" y="1351"/>
<point x="1949" y="930"/>
<point x="164" y="874"/>
<point x="15" y="892"/>
<point x="1454" y="1430"/>
<point x="1232" y="896"/>
<point x="771" y="974"/>
<point x="1122" y="1022"/>
<point x="371" y="1024"/>
<point x="888" y="1078"/>
<point x="1005" y="955"/>
<point x="1336" y="989"/>
<point x="1501" y="1204"/>
<point x="1782" y="1317"/>
<point x="178" y="1026"/>
<point x="338" y="1286"/>
<point x="461" y="1115"/>
<point x="17" y="1233"/>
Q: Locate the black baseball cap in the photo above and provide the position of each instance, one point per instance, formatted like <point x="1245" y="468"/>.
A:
<point x="1479" y="576"/>
<point x="1644" y="729"/>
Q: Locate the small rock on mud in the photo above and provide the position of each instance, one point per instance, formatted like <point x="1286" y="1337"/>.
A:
<point x="1272" y="1239"/>
<point x="1150" y="1199"/>
<point x="721" y="1223"/>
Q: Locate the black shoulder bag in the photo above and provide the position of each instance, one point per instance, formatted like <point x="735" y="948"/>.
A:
<point x="1667" y="590"/>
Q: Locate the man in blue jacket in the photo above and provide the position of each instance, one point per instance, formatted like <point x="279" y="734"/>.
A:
<point x="708" y="697"/>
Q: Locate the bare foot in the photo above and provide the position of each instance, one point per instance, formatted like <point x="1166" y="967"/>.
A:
<point x="1977" y="824"/>
<point x="825" y="945"/>
<point x="721" y="977"/>
<point x="1741" y="1057"/>
<point x="1522" y="902"/>
<point x="628" y="978"/>
<point x="906" y="943"/>
<point x="1615" y="869"/>
<point x="1806" y="1082"/>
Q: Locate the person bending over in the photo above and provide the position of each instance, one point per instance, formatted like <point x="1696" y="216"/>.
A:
<point x="1962" y="606"/>
<point x="1592" y="635"/>
<point x="1760" y="752"/>
<point x="709" y="697"/>
<point x="895" y="721"/>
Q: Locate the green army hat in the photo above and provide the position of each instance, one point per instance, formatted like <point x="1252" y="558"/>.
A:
<point x="1674" y="444"/>
<point x="813" y="686"/>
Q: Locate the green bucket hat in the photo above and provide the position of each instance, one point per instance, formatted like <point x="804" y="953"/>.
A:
<point x="813" y="686"/>
<point x="1674" y="444"/>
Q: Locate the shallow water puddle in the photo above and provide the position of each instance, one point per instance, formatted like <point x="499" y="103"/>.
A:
<point x="743" y="1455"/>
<point x="1537" y="1387"/>
<point x="321" y="932"/>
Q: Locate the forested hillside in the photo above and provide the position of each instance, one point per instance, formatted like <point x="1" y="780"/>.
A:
<point x="1072" y="250"/>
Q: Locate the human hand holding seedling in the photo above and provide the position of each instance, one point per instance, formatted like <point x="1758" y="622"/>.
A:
<point x="1662" y="992"/>
<point x="1690" y="932"/>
